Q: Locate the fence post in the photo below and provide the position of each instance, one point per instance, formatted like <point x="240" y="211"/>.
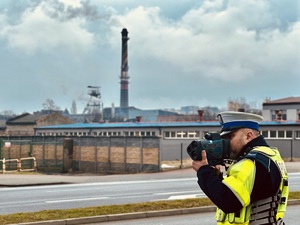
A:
<point x="68" y="154"/>
<point x="181" y="155"/>
<point x="3" y="166"/>
<point x="18" y="165"/>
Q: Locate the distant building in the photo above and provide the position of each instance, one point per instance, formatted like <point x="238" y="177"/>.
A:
<point x="117" y="114"/>
<point x="281" y="109"/>
<point x="189" y="110"/>
<point x="2" y="127"/>
<point x="176" y="136"/>
<point x="24" y="124"/>
<point x="193" y="114"/>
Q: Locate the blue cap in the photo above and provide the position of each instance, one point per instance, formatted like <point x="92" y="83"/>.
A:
<point x="232" y="121"/>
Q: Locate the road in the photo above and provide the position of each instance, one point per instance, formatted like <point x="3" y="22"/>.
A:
<point x="31" y="199"/>
<point x="291" y="218"/>
<point x="37" y="198"/>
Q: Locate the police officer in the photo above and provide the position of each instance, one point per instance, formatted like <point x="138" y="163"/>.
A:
<point x="255" y="188"/>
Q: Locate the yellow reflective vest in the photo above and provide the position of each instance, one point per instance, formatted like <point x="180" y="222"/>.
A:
<point x="240" y="179"/>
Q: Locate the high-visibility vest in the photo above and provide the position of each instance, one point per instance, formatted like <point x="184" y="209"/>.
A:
<point x="240" y="179"/>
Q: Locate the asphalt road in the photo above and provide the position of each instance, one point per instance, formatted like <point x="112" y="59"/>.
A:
<point x="32" y="199"/>
<point x="32" y="192"/>
<point x="66" y="196"/>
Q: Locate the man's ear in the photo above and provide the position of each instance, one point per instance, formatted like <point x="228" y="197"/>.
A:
<point x="250" y="135"/>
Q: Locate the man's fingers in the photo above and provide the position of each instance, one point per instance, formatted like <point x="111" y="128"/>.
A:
<point x="203" y="154"/>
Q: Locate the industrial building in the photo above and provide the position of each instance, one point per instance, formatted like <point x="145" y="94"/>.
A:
<point x="175" y="136"/>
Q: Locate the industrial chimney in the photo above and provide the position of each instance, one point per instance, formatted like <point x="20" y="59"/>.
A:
<point x="124" y="71"/>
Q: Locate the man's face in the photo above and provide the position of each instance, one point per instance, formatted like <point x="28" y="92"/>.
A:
<point x="238" y="140"/>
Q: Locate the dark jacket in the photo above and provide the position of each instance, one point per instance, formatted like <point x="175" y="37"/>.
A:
<point x="266" y="183"/>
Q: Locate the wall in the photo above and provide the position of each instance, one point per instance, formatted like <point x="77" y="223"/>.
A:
<point x="104" y="155"/>
<point x="26" y="130"/>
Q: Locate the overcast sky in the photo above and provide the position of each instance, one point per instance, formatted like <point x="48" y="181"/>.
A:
<point x="180" y="53"/>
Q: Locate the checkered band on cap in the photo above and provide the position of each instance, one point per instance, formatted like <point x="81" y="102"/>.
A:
<point x="232" y="121"/>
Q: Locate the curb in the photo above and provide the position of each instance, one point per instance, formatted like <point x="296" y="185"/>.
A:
<point x="129" y="216"/>
<point x="33" y="184"/>
<point x="125" y="216"/>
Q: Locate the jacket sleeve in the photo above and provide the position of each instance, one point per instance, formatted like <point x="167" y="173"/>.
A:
<point x="212" y="185"/>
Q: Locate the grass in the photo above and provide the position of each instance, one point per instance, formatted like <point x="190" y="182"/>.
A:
<point x="108" y="210"/>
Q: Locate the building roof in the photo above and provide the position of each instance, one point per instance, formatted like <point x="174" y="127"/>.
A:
<point x="155" y="125"/>
<point x="25" y="118"/>
<point x="283" y="101"/>
<point x="130" y="125"/>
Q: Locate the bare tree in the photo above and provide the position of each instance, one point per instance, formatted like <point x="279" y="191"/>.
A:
<point x="238" y="103"/>
<point x="241" y="103"/>
<point x="7" y="113"/>
<point x="49" y="104"/>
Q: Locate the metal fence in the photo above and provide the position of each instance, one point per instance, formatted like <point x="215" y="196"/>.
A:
<point x="103" y="155"/>
<point x="18" y="165"/>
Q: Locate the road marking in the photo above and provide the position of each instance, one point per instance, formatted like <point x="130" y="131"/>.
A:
<point x="76" y="200"/>
<point x="175" y="192"/>
<point x="178" y="197"/>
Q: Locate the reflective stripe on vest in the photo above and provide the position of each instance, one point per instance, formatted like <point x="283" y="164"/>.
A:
<point x="240" y="179"/>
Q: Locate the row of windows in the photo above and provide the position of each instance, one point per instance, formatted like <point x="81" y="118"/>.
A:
<point x="280" y="134"/>
<point x="185" y="134"/>
<point x="104" y="133"/>
<point x="277" y="134"/>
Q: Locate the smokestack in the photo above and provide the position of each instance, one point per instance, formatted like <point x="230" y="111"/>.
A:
<point x="200" y="115"/>
<point x="124" y="70"/>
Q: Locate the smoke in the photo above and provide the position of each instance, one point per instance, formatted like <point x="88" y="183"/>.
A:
<point x="56" y="9"/>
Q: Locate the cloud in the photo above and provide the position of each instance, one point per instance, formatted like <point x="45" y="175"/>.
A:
<point x="180" y="53"/>
<point x="37" y="31"/>
<point x="225" y="40"/>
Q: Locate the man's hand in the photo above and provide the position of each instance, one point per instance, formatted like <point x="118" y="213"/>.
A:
<point x="198" y="164"/>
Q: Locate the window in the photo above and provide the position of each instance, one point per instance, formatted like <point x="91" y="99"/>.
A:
<point x="283" y="114"/>
<point x="289" y="134"/>
<point x="193" y="134"/>
<point x="265" y="133"/>
<point x="181" y="134"/>
<point x="272" y="134"/>
<point x="279" y="134"/>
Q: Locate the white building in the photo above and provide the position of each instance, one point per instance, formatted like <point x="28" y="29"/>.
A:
<point x="282" y="109"/>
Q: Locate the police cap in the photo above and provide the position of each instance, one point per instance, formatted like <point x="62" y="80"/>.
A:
<point x="232" y="121"/>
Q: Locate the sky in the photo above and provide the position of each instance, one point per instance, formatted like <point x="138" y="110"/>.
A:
<point x="180" y="53"/>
